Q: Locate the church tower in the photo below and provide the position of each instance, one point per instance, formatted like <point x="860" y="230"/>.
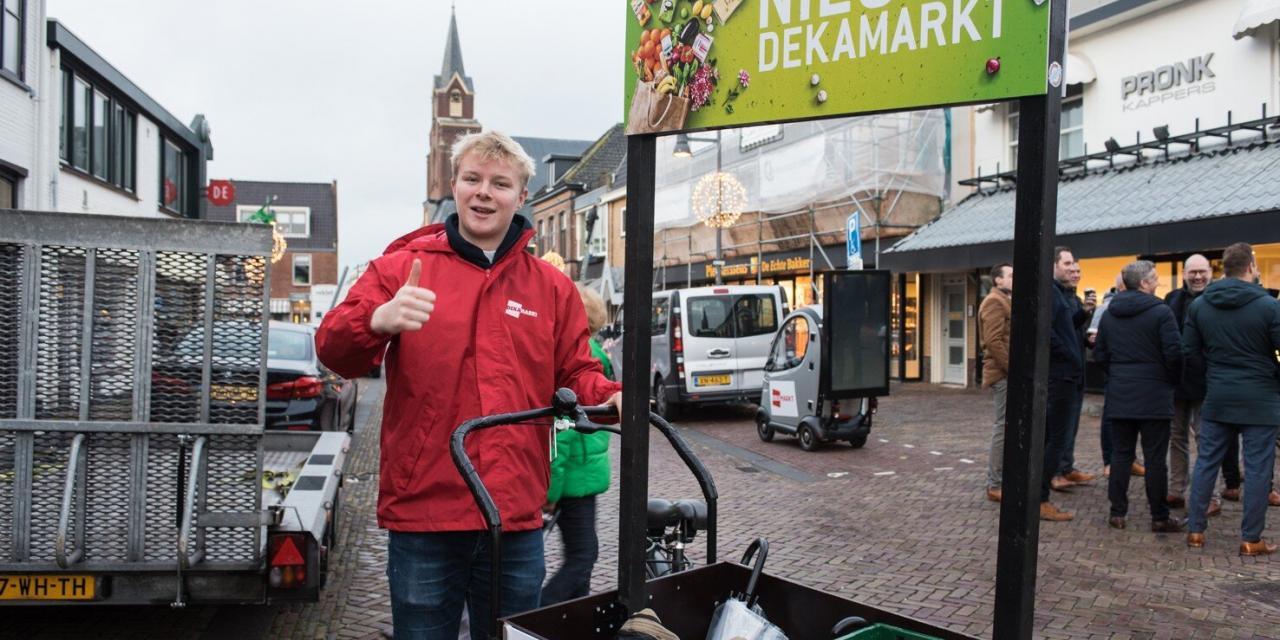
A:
<point x="452" y="116"/>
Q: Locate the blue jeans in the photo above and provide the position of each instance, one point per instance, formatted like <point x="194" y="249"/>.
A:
<point x="431" y="575"/>
<point x="577" y="524"/>
<point x="1068" y="460"/>
<point x="1259" y="445"/>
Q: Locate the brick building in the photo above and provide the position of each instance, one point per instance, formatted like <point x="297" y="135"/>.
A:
<point x="304" y="280"/>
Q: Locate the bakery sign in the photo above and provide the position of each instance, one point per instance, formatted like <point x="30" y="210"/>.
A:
<point x="698" y="64"/>
<point x="1169" y="83"/>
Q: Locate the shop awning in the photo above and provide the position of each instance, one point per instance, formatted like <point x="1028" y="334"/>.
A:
<point x="1079" y="69"/>
<point x="1197" y="202"/>
<point x="1255" y="15"/>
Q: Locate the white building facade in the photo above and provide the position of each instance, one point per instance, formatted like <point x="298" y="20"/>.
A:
<point x="78" y="136"/>
<point x="1134" y="65"/>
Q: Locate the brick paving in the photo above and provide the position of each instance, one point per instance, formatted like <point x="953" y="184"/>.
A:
<point x="920" y="542"/>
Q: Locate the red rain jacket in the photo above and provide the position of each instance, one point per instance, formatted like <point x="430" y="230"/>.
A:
<point x="500" y="340"/>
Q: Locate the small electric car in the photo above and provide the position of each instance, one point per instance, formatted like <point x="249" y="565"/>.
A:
<point x="821" y="380"/>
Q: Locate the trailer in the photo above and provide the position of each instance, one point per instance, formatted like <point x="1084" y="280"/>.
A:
<point x="134" y="465"/>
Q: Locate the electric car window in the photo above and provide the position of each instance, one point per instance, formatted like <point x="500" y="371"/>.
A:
<point x="709" y="317"/>
<point x="658" y="321"/>
<point x="791" y="345"/>
<point x="755" y="315"/>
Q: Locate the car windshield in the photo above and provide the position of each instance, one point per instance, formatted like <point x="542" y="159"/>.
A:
<point x="288" y="345"/>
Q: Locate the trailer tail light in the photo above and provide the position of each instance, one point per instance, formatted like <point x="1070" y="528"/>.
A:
<point x="303" y="387"/>
<point x="288" y="561"/>
<point x="835" y="411"/>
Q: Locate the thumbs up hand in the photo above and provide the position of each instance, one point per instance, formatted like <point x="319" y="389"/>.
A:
<point x="408" y="310"/>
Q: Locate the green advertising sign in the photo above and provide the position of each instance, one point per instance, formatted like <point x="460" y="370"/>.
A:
<point x="695" y="64"/>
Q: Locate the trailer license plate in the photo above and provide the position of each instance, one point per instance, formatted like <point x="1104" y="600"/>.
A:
<point x="47" y="587"/>
<point x="711" y="381"/>
<point x="233" y="393"/>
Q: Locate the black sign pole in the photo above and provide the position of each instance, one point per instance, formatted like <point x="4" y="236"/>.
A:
<point x="637" y="294"/>
<point x="1034" y="222"/>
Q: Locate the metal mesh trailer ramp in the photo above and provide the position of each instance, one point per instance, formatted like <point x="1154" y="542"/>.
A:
<point x="132" y="385"/>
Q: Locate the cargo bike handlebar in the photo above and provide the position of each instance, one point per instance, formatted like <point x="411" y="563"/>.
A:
<point x="563" y="405"/>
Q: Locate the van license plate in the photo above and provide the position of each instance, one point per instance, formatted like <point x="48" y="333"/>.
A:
<point x="47" y="587"/>
<point x="712" y="381"/>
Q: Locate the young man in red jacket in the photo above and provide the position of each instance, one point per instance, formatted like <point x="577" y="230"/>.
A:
<point x="472" y="325"/>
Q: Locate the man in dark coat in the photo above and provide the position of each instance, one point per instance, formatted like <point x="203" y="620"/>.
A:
<point x="1189" y="395"/>
<point x="1081" y="314"/>
<point x="1139" y="349"/>
<point x="1232" y="333"/>
<point x="1066" y="369"/>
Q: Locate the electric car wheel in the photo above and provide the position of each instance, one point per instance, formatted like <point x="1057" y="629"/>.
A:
<point x="763" y="429"/>
<point x="808" y="439"/>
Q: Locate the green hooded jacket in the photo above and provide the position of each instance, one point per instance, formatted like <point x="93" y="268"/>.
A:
<point x="1233" y="333"/>
<point x="581" y="466"/>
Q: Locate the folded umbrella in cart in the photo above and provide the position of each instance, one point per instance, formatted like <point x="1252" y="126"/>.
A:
<point x="741" y="617"/>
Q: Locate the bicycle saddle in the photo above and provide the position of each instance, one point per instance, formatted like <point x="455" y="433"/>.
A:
<point x="665" y="513"/>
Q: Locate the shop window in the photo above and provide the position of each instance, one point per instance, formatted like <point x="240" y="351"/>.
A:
<point x="302" y="269"/>
<point x="174" y="179"/>
<point x="1268" y="257"/>
<point x="8" y="190"/>
<point x="1071" y="138"/>
<point x="11" y="37"/>
<point x="96" y="132"/>
<point x="905" y="363"/>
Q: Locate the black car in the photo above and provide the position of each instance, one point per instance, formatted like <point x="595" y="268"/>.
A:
<point x="302" y="394"/>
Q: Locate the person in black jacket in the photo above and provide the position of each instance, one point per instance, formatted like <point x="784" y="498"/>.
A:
<point x="1187" y="398"/>
<point x="1232" y="333"/>
<point x="1066" y="369"/>
<point x="1139" y="349"/>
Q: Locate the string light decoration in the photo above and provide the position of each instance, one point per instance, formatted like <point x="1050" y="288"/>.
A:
<point x="719" y="199"/>
<point x="255" y="269"/>
<point x="278" y="245"/>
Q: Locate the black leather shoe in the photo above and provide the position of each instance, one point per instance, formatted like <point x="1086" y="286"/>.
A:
<point x="1173" y="524"/>
<point x="1116" y="522"/>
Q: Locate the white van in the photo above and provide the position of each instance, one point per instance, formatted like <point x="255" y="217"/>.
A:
<point x="709" y="344"/>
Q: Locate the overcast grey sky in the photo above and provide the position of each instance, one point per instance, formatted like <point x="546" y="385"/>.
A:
<point x="320" y="90"/>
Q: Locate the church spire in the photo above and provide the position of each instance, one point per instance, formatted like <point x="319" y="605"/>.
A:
<point x="452" y="62"/>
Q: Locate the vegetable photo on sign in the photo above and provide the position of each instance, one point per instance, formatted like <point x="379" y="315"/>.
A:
<point x="871" y="55"/>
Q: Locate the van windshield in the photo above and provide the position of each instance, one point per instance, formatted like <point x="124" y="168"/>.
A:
<point x="733" y="316"/>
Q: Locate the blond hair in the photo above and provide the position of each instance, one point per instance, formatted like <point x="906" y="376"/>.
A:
<point x="594" y="305"/>
<point x="494" y="145"/>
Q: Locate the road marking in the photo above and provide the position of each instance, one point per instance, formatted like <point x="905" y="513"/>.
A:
<point x="837" y="474"/>
<point x="935" y="453"/>
<point x="944" y="468"/>
<point x="883" y="441"/>
<point x="966" y="461"/>
<point x="902" y="457"/>
<point x="884" y="473"/>
<point x="909" y="446"/>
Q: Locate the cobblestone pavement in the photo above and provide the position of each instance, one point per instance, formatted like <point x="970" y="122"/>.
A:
<point x="900" y="524"/>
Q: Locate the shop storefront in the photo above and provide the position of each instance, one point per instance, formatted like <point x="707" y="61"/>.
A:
<point x="1167" y="150"/>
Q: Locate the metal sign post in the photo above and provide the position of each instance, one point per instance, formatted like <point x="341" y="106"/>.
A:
<point x="1036" y="213"/>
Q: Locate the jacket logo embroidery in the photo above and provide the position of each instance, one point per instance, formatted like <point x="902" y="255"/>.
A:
<point x="515" y="310"/>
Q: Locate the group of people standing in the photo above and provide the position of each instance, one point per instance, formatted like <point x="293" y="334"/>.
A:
<point x="1198" y="367"/>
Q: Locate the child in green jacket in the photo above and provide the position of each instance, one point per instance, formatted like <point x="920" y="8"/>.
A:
<point x="579" y="473"/>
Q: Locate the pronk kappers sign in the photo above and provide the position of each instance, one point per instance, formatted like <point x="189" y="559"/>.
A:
<point x="695" y="64"/>
<point x="1177" y="81"/>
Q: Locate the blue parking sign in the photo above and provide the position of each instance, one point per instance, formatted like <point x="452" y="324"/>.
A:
<point x="853" y="246"/>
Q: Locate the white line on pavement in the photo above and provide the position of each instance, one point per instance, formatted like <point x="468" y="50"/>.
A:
<point x="883" y="441"/>
<point x="966" y="461"/>
<point x="909" y="446"/>
<point x="935" y="453"/>
<point x="884" y="473"/>
<point x="943" y="468"/>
